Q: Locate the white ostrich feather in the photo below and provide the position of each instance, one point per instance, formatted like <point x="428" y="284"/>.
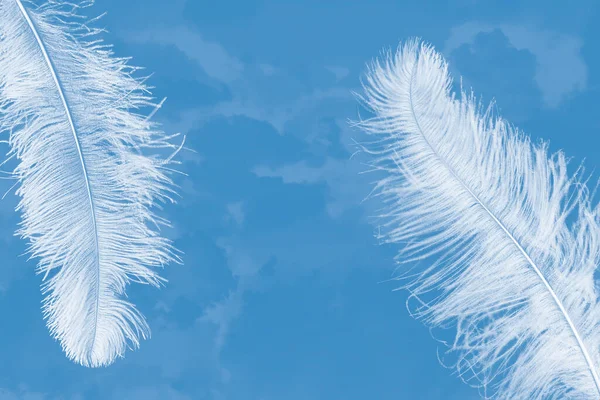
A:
<point x="511" y="242"/>
<point x="89" y="174"/>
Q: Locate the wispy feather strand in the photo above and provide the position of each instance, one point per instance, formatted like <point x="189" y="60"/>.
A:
<point x="89" y="174"/>
<point x="511" y="240"/>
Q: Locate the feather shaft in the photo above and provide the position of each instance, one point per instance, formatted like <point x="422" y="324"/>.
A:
<point x="535" y="268"/>
<point x="91" y="170"/>
<point x="69" y="117"/>
<point x="512" y="240"/>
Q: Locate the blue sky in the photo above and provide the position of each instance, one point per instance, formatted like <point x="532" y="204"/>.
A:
<point x="283" y="293"/>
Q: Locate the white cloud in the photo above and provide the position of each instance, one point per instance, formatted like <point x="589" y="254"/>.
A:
<point x="247" y="102"/>
<point x="245" y="267"/>
<point x="267" y="69"/>
<point x="250" y="98"/>
<point x="242" y="264"/>
<point x="22" y="393"/>
<point x="223" y="313"/>
<point x="212" y="57"/>
<point x="347" y="186"/>
<point x="339" y="72"/>
<point x="235" y="212"/>
<point x="153" y="392"/>
<point x="560" y="69"/>
<point x="340" y="175"/>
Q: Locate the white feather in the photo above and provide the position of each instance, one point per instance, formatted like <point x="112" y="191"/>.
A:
<point x="87" y="186"/>
<point x="511" y="240"/>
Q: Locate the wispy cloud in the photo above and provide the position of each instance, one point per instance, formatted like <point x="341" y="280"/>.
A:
<point x="560" y="69"/>
<point x="235" y="212"/>
<point x="223" y="313"/>
<point x="151" y="392"/>
<point x="22" y="393"/>
<point x="338" y="71"/>
<point x="337" y="174"/>
<point x="259" y="90"/>
<point x="211" y="56"/>
<point x="347" y="186"/>
<point x="245" y="267"/>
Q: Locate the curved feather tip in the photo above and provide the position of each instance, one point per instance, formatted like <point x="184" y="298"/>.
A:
<point x="510" y="240"/>
<point x="91" y="171"/>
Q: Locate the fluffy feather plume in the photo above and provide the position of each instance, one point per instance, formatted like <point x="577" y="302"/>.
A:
<point x="89" y="175"/>
<point x="509" y="240"/>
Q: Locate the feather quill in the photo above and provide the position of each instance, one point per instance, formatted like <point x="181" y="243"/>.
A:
<point x="90" y="173"/>
<point x="510" y="240"/>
